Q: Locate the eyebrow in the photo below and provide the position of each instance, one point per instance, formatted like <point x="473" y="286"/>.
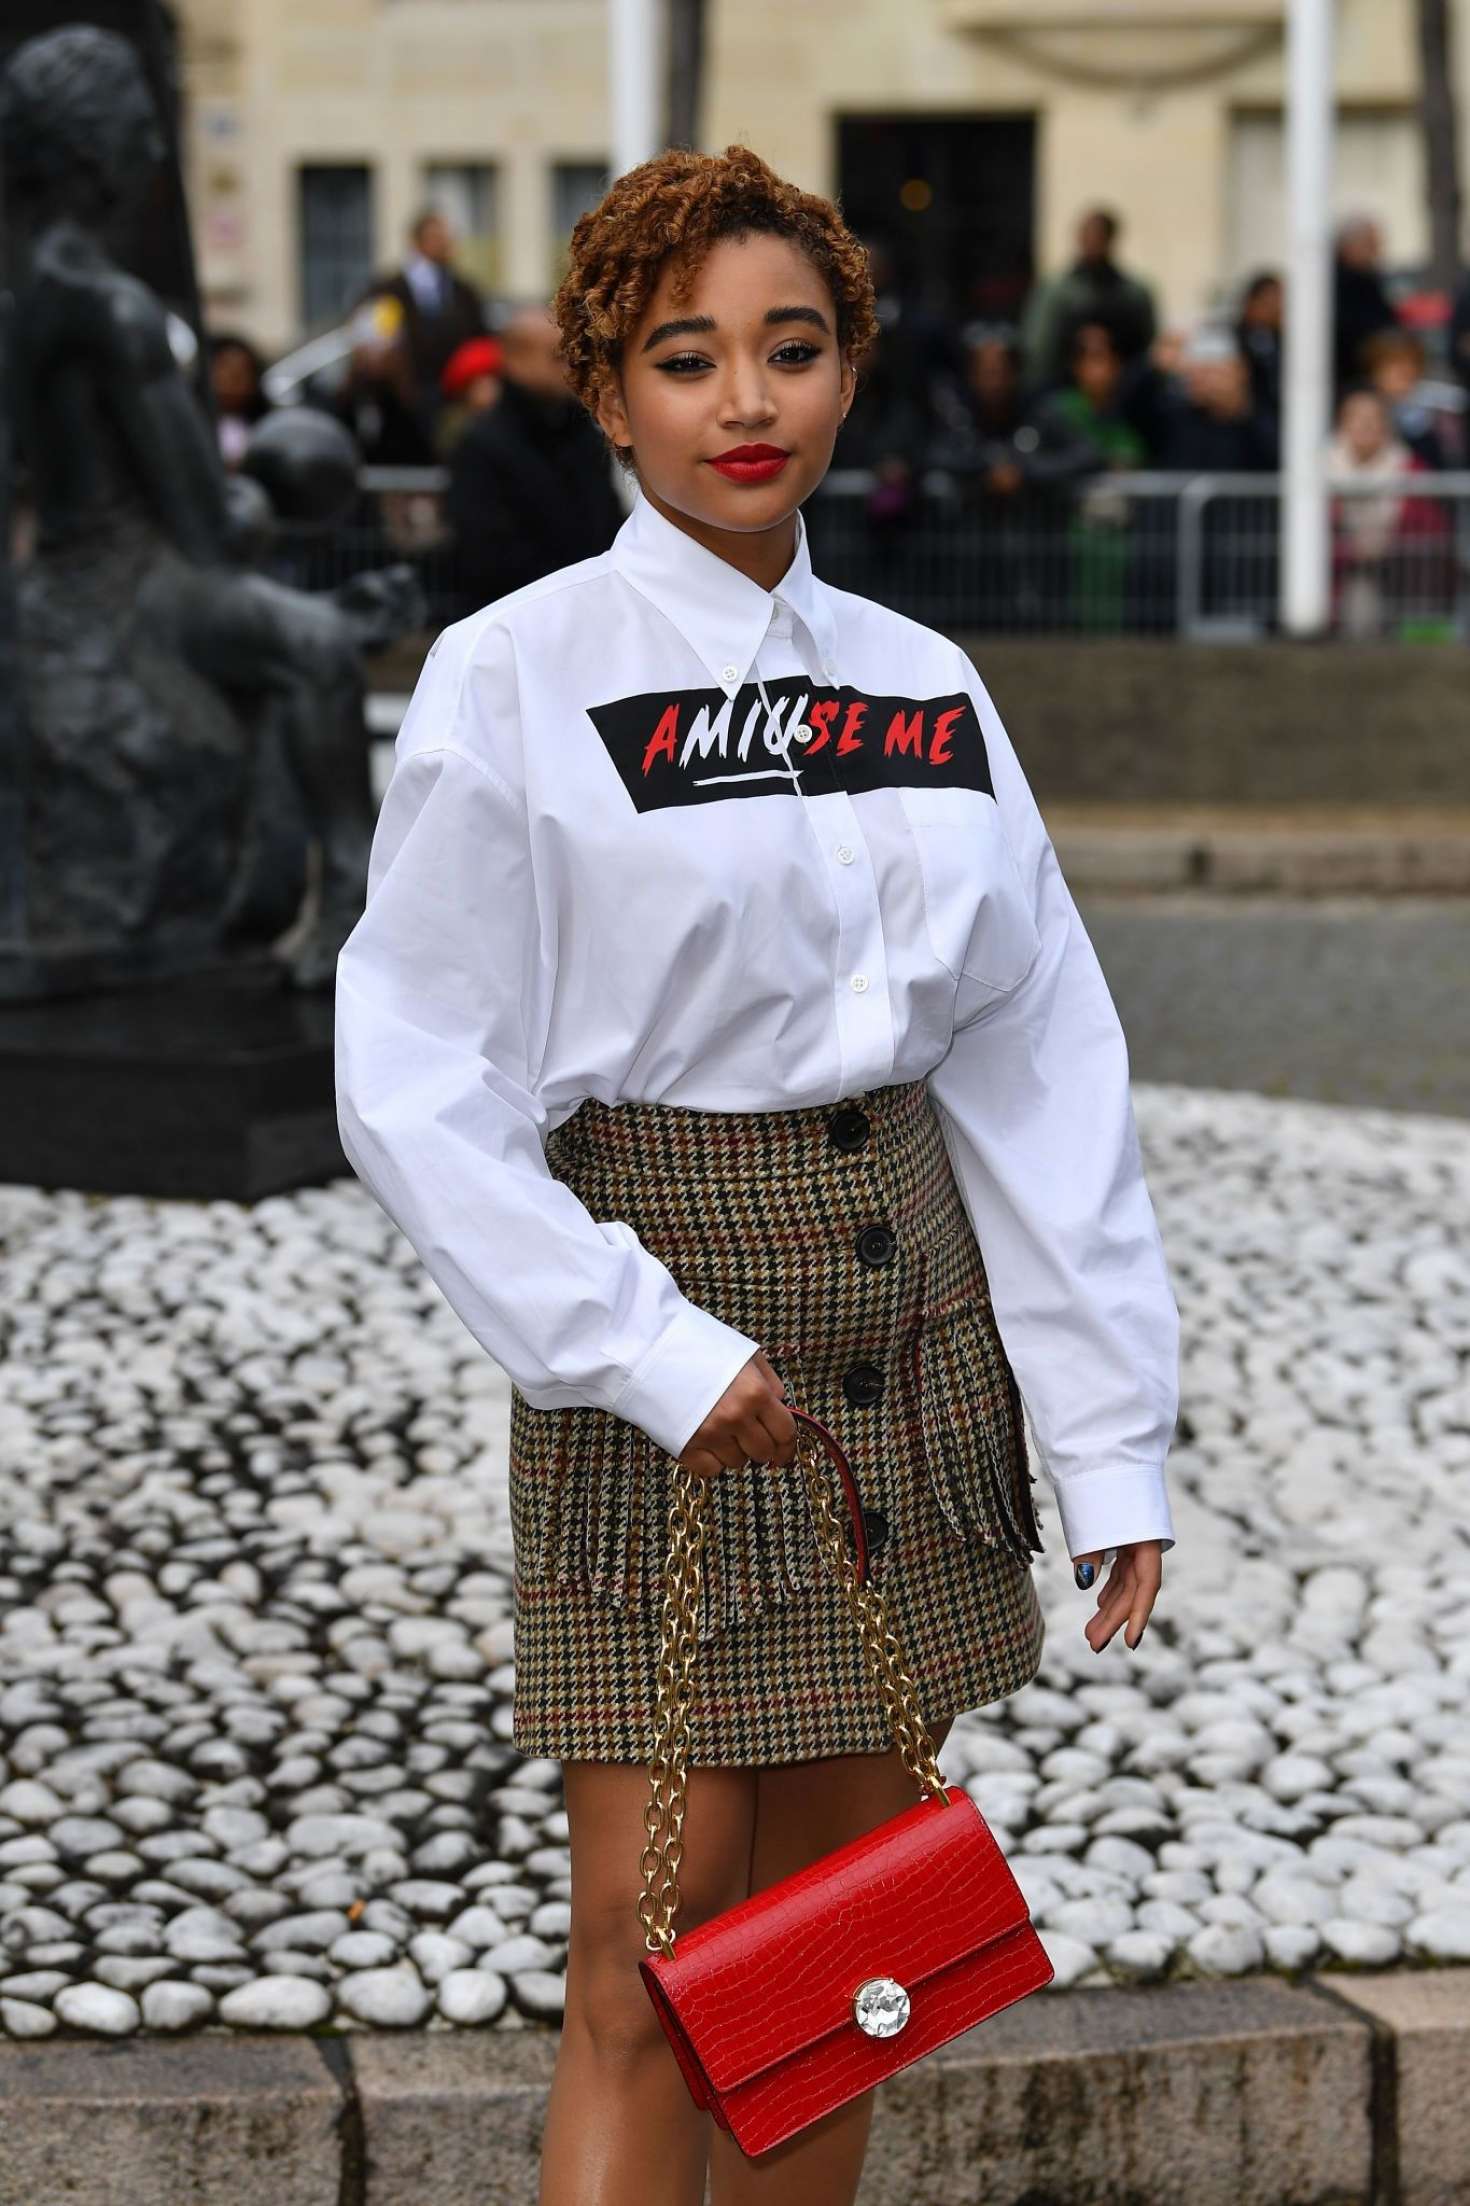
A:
<point x="702" y="325"/>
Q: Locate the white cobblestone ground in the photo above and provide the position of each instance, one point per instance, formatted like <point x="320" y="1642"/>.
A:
<point x="255" y="1610"/>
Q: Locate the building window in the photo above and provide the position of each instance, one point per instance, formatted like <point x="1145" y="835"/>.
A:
<point x="950" y="200"/>
<point x="575" y="186"/>
<point x="467" y="194"/>
<point x="335" y="235"/>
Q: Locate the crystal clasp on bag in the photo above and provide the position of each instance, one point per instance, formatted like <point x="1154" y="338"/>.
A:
<point x="880" y="2006"/>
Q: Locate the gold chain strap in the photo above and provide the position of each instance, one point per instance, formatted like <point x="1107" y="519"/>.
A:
<point x="668" y="1769"/>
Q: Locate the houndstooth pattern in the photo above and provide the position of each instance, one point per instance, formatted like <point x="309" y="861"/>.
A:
<point x="757" y="1215"/>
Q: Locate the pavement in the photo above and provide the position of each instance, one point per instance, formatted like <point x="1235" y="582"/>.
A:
<point x="1351" y="1000"/>
<point x="1340" y="2089"/>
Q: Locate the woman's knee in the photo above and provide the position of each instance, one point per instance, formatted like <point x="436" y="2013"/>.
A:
<point x="606" y="1994"/>
<point x="608" y="1941"/>
<point x="605" y="1991"/>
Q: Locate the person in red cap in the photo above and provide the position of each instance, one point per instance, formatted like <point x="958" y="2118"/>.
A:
<point x="530" y="483"/>
<point x="470" y="385"/>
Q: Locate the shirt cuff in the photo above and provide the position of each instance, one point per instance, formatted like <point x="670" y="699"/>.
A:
<point x="1113" y="1506"/>
<point x="682" y="1377"/>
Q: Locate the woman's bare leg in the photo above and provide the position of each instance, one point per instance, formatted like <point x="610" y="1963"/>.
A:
<point x="804" y="1809"/>
<point x="621" y="2127"/>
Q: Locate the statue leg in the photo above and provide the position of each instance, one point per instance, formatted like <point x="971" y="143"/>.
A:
<point x="249" y="633"/>
<point x="327" y="736"/>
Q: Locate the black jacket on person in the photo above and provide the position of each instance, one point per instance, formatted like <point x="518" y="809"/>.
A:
<point x="1195" y="441"/>
<point x="1361" y="307"/>
<point x="1038" y="441"/>
<point x="1460" y="333"/>
<point x="1261" y="349"/>
<point x="530" y="490"/>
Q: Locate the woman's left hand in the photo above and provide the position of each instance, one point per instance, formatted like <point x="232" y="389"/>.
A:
<point x="1126" y="1595"/>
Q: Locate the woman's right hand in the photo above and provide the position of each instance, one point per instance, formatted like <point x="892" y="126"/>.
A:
<point x="750" y="1423"/>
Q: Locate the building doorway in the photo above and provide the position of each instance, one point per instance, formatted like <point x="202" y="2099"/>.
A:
<point x="952" y="197"/>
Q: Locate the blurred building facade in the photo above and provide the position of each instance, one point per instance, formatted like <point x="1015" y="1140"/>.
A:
<point x="965" y="133"/>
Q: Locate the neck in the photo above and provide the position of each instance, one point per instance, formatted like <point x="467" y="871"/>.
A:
<point x="763" y="555"/>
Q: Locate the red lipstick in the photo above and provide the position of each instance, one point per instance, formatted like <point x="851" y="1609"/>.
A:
<point x="750" y="463"/>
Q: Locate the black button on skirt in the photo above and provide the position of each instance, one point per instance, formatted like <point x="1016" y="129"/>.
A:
<point x="760" y="1216"/>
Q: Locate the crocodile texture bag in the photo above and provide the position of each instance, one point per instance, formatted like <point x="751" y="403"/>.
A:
<point x="835" y="1977"/>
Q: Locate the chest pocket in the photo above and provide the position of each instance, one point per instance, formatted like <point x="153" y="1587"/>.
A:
<point x="976" y="909"/>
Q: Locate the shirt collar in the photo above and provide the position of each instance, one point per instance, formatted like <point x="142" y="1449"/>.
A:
<point x="721" y="614"/>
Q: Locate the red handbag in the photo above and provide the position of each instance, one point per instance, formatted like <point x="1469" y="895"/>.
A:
<point x="835" y="1977"/>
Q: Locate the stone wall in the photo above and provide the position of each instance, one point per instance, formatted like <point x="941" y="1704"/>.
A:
<point x="1132" y="721"/>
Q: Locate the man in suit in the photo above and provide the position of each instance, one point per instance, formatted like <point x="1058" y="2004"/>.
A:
<point x="530" y="481"/>
<point x="440" y="310"/>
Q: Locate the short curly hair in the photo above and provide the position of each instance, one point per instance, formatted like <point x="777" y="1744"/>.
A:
<point x="674" y="208"/>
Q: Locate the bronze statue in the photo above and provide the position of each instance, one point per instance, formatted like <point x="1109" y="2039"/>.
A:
<point x="190" y="726"/>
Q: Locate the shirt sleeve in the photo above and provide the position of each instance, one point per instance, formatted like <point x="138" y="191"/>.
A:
<point x="1034" y="1101"/>
<point x="436" y="1017"/>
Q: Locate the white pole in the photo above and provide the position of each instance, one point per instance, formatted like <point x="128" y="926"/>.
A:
<point x="633" y="81"/>
<point x="1305" y="596"/>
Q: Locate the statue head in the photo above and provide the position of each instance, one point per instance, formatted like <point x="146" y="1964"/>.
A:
<point x="75" y="108"/>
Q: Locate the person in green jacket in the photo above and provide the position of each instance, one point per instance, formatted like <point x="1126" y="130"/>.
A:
<point x="1090" y="409"/>
<point x="1094" y="284"/>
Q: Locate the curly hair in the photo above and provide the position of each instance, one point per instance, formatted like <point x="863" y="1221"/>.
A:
<point x="673" y="209"/>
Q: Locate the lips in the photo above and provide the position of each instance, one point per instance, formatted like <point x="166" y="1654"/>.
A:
<point x="750" y="463"/>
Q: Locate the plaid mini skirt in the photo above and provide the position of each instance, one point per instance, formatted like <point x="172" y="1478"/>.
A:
<point x="836" y="1237"/>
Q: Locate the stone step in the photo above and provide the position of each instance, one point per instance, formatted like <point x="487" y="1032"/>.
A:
<point x="1344" y="2087"/>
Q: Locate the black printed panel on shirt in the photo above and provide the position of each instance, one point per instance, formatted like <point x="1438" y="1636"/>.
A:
<point x="698" y="746"/>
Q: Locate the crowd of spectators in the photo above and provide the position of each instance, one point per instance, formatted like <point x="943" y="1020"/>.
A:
<point x="1035" y="427"/>
<point x="1090" y="381"/>
<point x="1031" y="428"/>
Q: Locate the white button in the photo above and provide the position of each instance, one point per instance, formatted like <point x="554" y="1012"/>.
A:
<point x="729" y="674"/>
<point x="845" y="854"/>
<point x="859" y="983"/>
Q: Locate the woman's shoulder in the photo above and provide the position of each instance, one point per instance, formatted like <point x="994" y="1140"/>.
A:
<point x="556" y="597"/>
<point x="868" y="630"/>
<point x="482" y="671"/>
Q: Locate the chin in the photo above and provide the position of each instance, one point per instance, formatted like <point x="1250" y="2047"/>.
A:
<point x="745" y="506"/>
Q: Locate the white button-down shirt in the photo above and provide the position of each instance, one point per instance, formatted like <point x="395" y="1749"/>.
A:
<point x="655" y="834"/>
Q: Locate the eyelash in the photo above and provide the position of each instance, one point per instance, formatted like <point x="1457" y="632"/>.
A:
<point x="680" y="363"/>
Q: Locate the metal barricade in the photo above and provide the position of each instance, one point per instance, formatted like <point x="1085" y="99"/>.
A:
<point x="1093" y="559"/>
<point x="1125" y="553"/>
<point x="399" y="516"/>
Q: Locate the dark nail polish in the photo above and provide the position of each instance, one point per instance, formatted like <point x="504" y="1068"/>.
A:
<point x="1084" y="1573"/>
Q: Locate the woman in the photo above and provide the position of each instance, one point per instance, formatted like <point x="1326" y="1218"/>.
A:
<point x="1390" y="552"/>
<point x="1395" y="362"/>
<point x="717" y="987"/>
<point x="1258" y="333"/>
<point x="1092" y="410"/>
<point x="470" y="386"/>
<point x="236" y="375"/>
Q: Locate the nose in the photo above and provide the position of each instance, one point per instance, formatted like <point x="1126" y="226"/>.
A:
<point x="746" y="400"/>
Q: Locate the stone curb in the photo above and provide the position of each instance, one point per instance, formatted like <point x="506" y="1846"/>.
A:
<point x="1410" y="856"/>
<point x="1345" y="2089"/>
